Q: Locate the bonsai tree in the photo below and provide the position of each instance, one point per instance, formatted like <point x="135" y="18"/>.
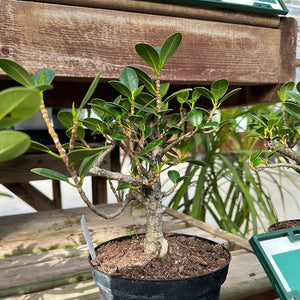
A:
<point x="280" y="132"/>
<point x="141" y="123"/>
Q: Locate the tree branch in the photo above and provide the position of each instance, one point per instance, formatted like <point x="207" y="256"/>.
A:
<point x="284" y="151"/>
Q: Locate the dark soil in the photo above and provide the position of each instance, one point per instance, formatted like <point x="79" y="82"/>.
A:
<point x="284" y="225"/>
<point x="187" y="257"/>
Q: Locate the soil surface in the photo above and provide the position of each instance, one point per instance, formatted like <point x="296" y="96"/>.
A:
<point x="187" y="257"/>
<point x="284" y="225"/>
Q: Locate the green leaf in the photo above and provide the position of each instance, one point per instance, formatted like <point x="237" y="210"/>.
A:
<point x="282" y="94"/>
<point x="175" y="94"/>
<point x="50" y="174"/>
<point x="129" y="78"/>
<point x="136" y="118"/>
<point x="123" y="186"/>
<point x="148" y="54"/>
<point x="169" y="47"/>
<point x="294" y="95"/>
<point x="205" y="92"/>
<point x="121" y="88"/>
<point x="183" y="97"/>
<point x="17" y="104"/>
<point x="219" y="88"/>
<point x="65" y="118"/>
<point x="269" y="154"/>
<point x="43" y="77"/>
<point x="80" y="154"/>
<point x="150" y="146"/>
<point x="293" y="108"/>
<point x="13" y="144"/>
<point x="42" y="148"/>
<point x="195" y="117"/>
<point x="16" y="72"/>
<point x="87" y="164"/>
<point x="90" y="91"/>
<point x="228" y="95"/>
<point x="118" y="136"/>
<point x="146" y="80"/>
<point x="272" y="122"/>
<point x="186" y="146"/>
<point x="174" y="176"/>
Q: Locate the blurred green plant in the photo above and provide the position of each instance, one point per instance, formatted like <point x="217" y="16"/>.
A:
<point x="222" y="186"/>
<point x="280" y="132"/>
<point x="16" y="105"/>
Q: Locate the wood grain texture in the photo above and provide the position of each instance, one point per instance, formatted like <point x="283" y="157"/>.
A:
<point x="57" y="245"/>
<point x="80" y="41"/>
<point x="176" y="10"/>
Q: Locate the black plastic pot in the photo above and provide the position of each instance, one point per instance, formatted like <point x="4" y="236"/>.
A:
<point x="204" y="287"/>
<point x="284" y="225"/>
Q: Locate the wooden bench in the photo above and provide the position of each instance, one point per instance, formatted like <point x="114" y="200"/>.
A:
<point x="43" y="255"/>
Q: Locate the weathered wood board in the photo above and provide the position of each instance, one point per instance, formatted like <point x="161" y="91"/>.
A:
<point x="81" y="39"/>
<point x="44" y="255"/>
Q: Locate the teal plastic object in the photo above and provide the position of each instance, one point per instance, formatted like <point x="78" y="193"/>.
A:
<point x="279" y="254"/>
<point x="273" y="7"/>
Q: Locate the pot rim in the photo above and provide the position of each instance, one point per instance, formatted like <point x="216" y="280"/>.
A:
<point x="226" y="266"/>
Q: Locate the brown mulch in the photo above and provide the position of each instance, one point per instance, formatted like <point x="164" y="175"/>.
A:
<point x="187" y="257"/>
<point x="284" y="225"/>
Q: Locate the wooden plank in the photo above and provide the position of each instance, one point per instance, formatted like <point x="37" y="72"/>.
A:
<point x="32" y="30"/>
<point x="30" y="233"/>
<point x="56" y="193"/>
<point x="85" y="290"/>
<point x="99" y="190"/>
<point x="191" y="12"/>
<point x="234" y="240"/>
<point x="246" y="276"/>
<point x="31" y="195"/>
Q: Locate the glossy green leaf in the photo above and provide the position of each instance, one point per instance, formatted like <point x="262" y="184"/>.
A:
<point x="219" y="88"/>
<point x="183" y="97"/>
<point x="136" y="118"/>
<point x="50" y="174"/>
<point x="121" y="88"/>
<point x="65" y="118"/>
<point x="80" y="154"/>
<point x="17" y="104"/>
<point x="294" y="96"/>
<point x="205" y="92"/>
<point x="169" y="47"/>
<point x="87" y="164"/>
<point x="151" y="146"/>
<point x="174" y="176"/>
<point x="186" y="146"/>
<point x="13" y="144"/>
<point x="123" y="186"/>
<point x="16" y="72"/>
<point x="90" y="91"/>
<point x="195" y="117"/>
<point x="129" y="78"/>
<point x="293" y="108"/>
<point x="118" y="136"/>
<point x="173" y="95"/>
<point x="228" y="95"/>
<point x="282" y="94"/>
<point x="148" y="54"/>
<point x="44" y="77"/>
<point x="42" y="148"/>
<point x="146" y="80"/>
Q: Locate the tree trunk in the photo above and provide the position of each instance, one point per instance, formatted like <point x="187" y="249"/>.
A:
<point x="154" y="242"/>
